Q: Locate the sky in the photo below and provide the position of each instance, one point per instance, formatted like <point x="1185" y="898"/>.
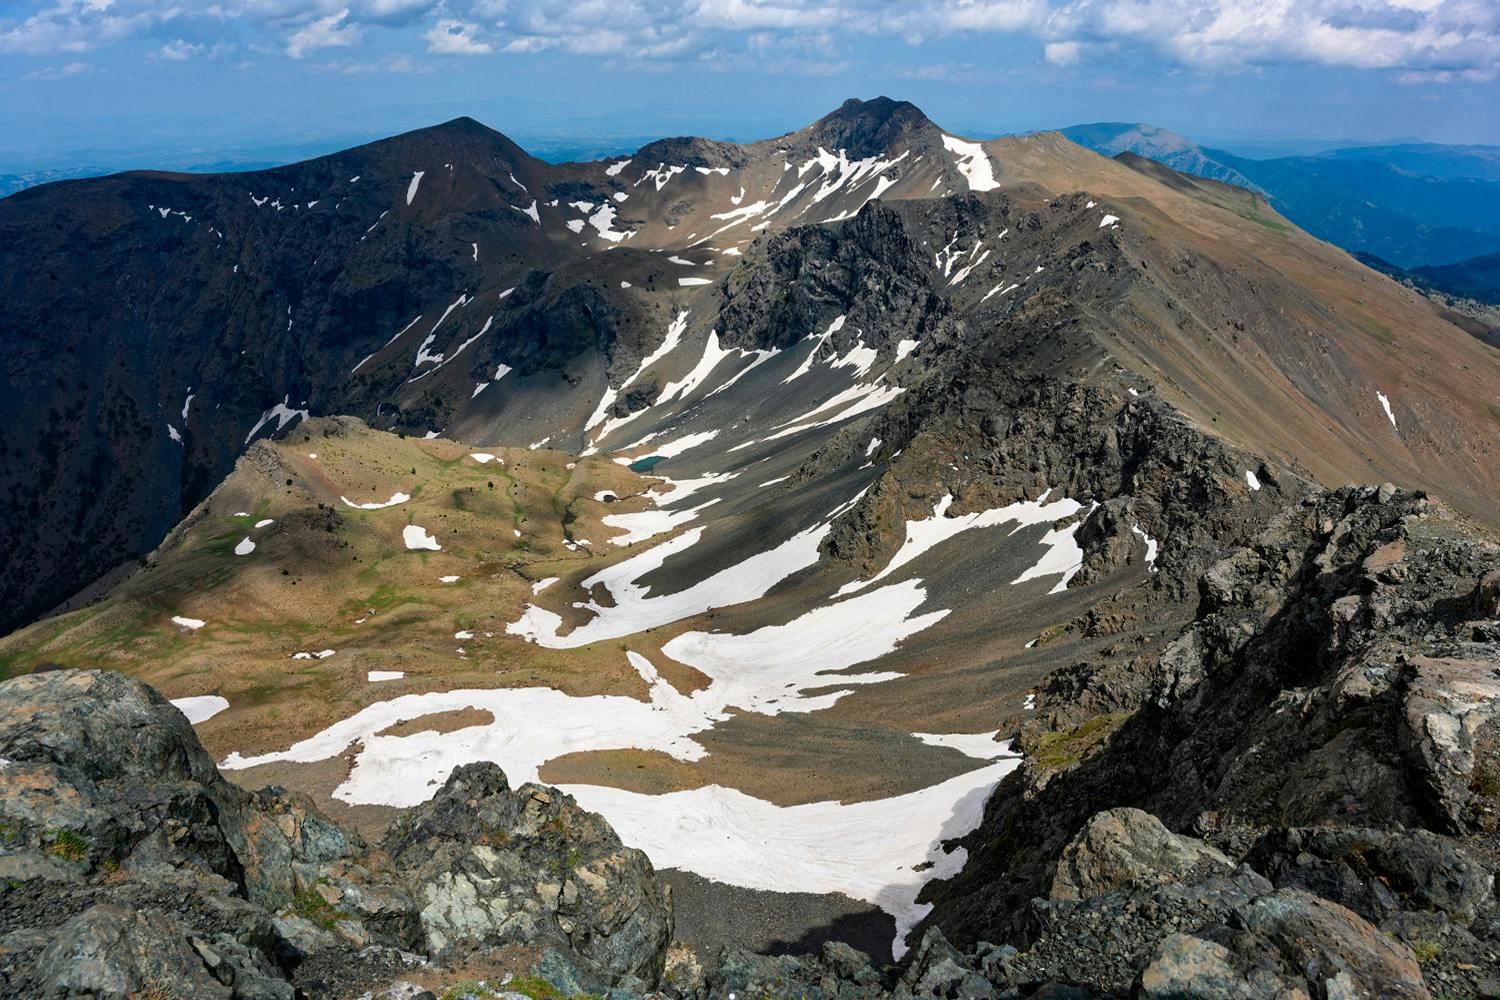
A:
<point x="129" y="83"/>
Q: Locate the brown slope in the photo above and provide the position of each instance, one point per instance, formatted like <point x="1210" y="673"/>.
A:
<point x="1280" y="341"/>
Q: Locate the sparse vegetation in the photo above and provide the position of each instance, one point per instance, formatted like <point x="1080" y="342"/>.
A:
<point x="310" y="905"/>
<point x="538" y="988"/>
<point x="68" y="845"/>
<point x="154" y="990"/>
<point x="1426" y="951"/>
<point x="1050" y="634"/>
<point x="1053" y="751"/>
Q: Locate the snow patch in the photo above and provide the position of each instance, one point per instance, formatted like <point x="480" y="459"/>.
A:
<point x="282" y="413"/>
<point x="396" y="498"/>
<point x="200" y="708"/>
<point x="417" y="538"/>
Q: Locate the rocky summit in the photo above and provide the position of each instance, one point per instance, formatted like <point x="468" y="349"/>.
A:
<point x="867" y="562"/>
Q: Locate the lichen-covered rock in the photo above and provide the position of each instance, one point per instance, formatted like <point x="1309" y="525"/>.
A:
<point x="1128" y="848"/>
<point x="1378" y="872"/>
<point x="1189" y="968"/>
<point x="103" y="771"/>
<point x="937" y="969"/>
<point x="491" y="865"/>
<point x="1337" y="953"/>
<point x="112" y="952"/>
<point x="1452" y="706"/>
<point x="838" y="973"/>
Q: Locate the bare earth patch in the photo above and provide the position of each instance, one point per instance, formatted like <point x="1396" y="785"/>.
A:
<point x="440" y="722"/>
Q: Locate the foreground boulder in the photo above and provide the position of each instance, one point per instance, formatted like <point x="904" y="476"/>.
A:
<point x="131" y="868"/>
<point x="1128" y="848"/>
<point x="490" y="866"/>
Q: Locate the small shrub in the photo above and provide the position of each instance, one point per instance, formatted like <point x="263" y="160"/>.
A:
<point x="535" y="987"/>
<point x="68" y="845"/>
<point x="1425" y="951"/>
<point x="311" y="906"/>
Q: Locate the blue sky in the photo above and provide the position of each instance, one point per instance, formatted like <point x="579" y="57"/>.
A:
<point x="130" y="83"/>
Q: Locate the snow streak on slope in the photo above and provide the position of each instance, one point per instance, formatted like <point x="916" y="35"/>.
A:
<point x="669" y="343"/>
<point x="973" y="162"/>
<point x="924" y="535"/>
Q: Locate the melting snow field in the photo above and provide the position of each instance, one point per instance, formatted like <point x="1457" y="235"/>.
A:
<point x="200" y="708"/>
<point x="881" y="852"/>
<point x="866" y="850"/>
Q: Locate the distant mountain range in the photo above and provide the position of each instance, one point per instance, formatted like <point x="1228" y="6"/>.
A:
<point x="1414" y="205"/>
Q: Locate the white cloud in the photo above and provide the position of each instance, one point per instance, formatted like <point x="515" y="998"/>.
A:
<point x="755" y="14"/>
<point x="180" y="50"/>
<point x="1416" y="41"/>
<point x="77" y="26"/>
<point x="392" y="64"/>
<point x="1062" y="53"/>
<point x="323" y="33"/>
<point x="1416" y="77"/>
<point x="59" y="72"/>
<point x="530" y="43"/>
<point x="455" y="38"/>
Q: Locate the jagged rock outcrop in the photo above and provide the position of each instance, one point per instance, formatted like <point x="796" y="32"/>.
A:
<point x="1129" y="849"/>
<point x="1322" y="726"/>
<point x="489" y="866"/>
<point x="129" y="865"/>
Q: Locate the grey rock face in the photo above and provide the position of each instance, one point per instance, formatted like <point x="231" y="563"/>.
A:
<point x="1128" y="848"/>
<point x="1378" y="873"/>
<point x="1189" y="968"/>
<point x="490" y="865"/>
<point x="104" y="772"/>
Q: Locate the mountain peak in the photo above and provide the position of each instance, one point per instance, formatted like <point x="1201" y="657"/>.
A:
<point x="866" y="128"/>
<point x="456" y="134"/>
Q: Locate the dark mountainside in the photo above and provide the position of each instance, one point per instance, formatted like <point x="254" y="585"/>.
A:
<point x="1261" y="750"/>
<point x="1476" y="280"/>
<point x="158" y="323"/>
